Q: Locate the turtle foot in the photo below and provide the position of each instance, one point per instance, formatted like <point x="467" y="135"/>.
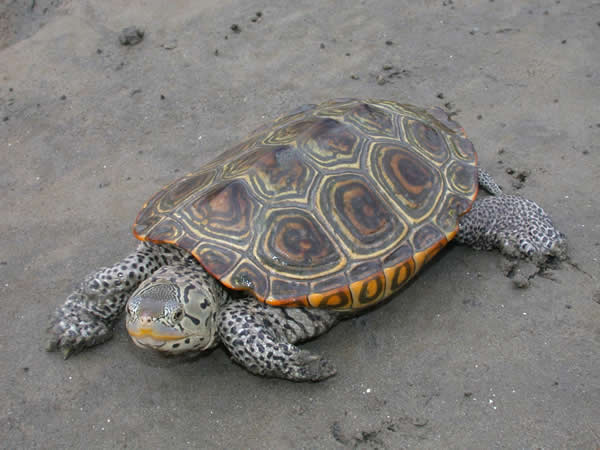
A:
<point x="544" y="252"/>
<point x="518" y="227"/>
<point x="307" y="366"/>
<point x="74" y="327"/>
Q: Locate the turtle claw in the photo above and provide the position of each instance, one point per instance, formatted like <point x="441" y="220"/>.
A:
<point x="540" y="252"/>
<point x="67" y="352"/>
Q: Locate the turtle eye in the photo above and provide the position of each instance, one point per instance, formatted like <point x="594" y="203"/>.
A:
<point x="178" y="315"/>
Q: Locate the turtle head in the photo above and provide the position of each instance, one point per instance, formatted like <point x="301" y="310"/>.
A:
<point x="174" y="311"/>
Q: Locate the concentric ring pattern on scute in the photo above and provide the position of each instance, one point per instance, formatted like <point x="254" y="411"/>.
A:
<point x="335" y="205"/>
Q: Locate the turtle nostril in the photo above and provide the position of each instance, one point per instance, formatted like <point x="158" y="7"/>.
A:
<point x="145" y="319"/>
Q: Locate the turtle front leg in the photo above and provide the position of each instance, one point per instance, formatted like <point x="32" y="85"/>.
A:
<point x="261" y="338"/>
<point x="88" y="315"/>
<point x="516" y="226"/>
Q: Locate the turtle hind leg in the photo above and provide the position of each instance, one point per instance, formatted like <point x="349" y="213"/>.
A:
<point x="88" y="315"/>
<point x="487" y="182"/>
<point x="261" y="338"/>
<point x="516" y="226"/>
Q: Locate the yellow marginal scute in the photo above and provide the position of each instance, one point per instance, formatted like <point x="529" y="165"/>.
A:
<point x="396" y="277"/>
<point x="425" y="256"/>
<point x="373" y="288"/>
<point x="340" y="299"/>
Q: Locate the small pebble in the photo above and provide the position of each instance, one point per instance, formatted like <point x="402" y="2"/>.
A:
<point x="381" y="80"/>
<point x="322" y="45"/>
<point x="520" y="282"/>
<point x="170" y="45"/>
<point x="564" y="41"/>
<point x="216" y="52"/>
<point x="131" y="35"/>
<point x="354" y="76"/>
<point x="389" y="43"/>
<point x="387" y="67"/>
<point x="420" y="422"/>
<point x="440" y="96"/>
<point x="235" y="28"/>
<point x="63" y="97"/>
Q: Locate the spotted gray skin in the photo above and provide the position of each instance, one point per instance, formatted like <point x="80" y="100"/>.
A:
<point x="180" y="308"/>
<point x="487" y="182"/>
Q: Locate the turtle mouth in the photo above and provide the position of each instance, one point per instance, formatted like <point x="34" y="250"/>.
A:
<point x="167" y="339"/>
<point x="170" y="345"/>
<point x="154" y="339"/>
<point x="149" y="333"/>
<point x="148" y="342"/>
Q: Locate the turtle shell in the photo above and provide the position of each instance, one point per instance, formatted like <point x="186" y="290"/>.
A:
<point x="335" y="205"/>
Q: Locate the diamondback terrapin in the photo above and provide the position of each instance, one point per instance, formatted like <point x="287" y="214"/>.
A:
<point x="329" y="209"/>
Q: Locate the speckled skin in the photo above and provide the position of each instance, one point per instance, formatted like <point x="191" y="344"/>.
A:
<point x="487" y="182"/>
<point x="180" y="308"/>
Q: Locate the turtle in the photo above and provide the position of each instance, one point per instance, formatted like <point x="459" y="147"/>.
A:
<point x="318" y="216"/>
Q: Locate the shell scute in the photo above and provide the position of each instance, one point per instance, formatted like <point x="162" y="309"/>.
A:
<point x="225" y="209"/>
<point x="218" y="260"/>
<point x="331" y="142"/>
<point x="294" y="243"/>
<point x="412" y="183"/>
<point x="363" y="220"/>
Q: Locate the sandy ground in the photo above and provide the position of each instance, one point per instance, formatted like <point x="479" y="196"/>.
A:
<point x="89" y="129"/>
